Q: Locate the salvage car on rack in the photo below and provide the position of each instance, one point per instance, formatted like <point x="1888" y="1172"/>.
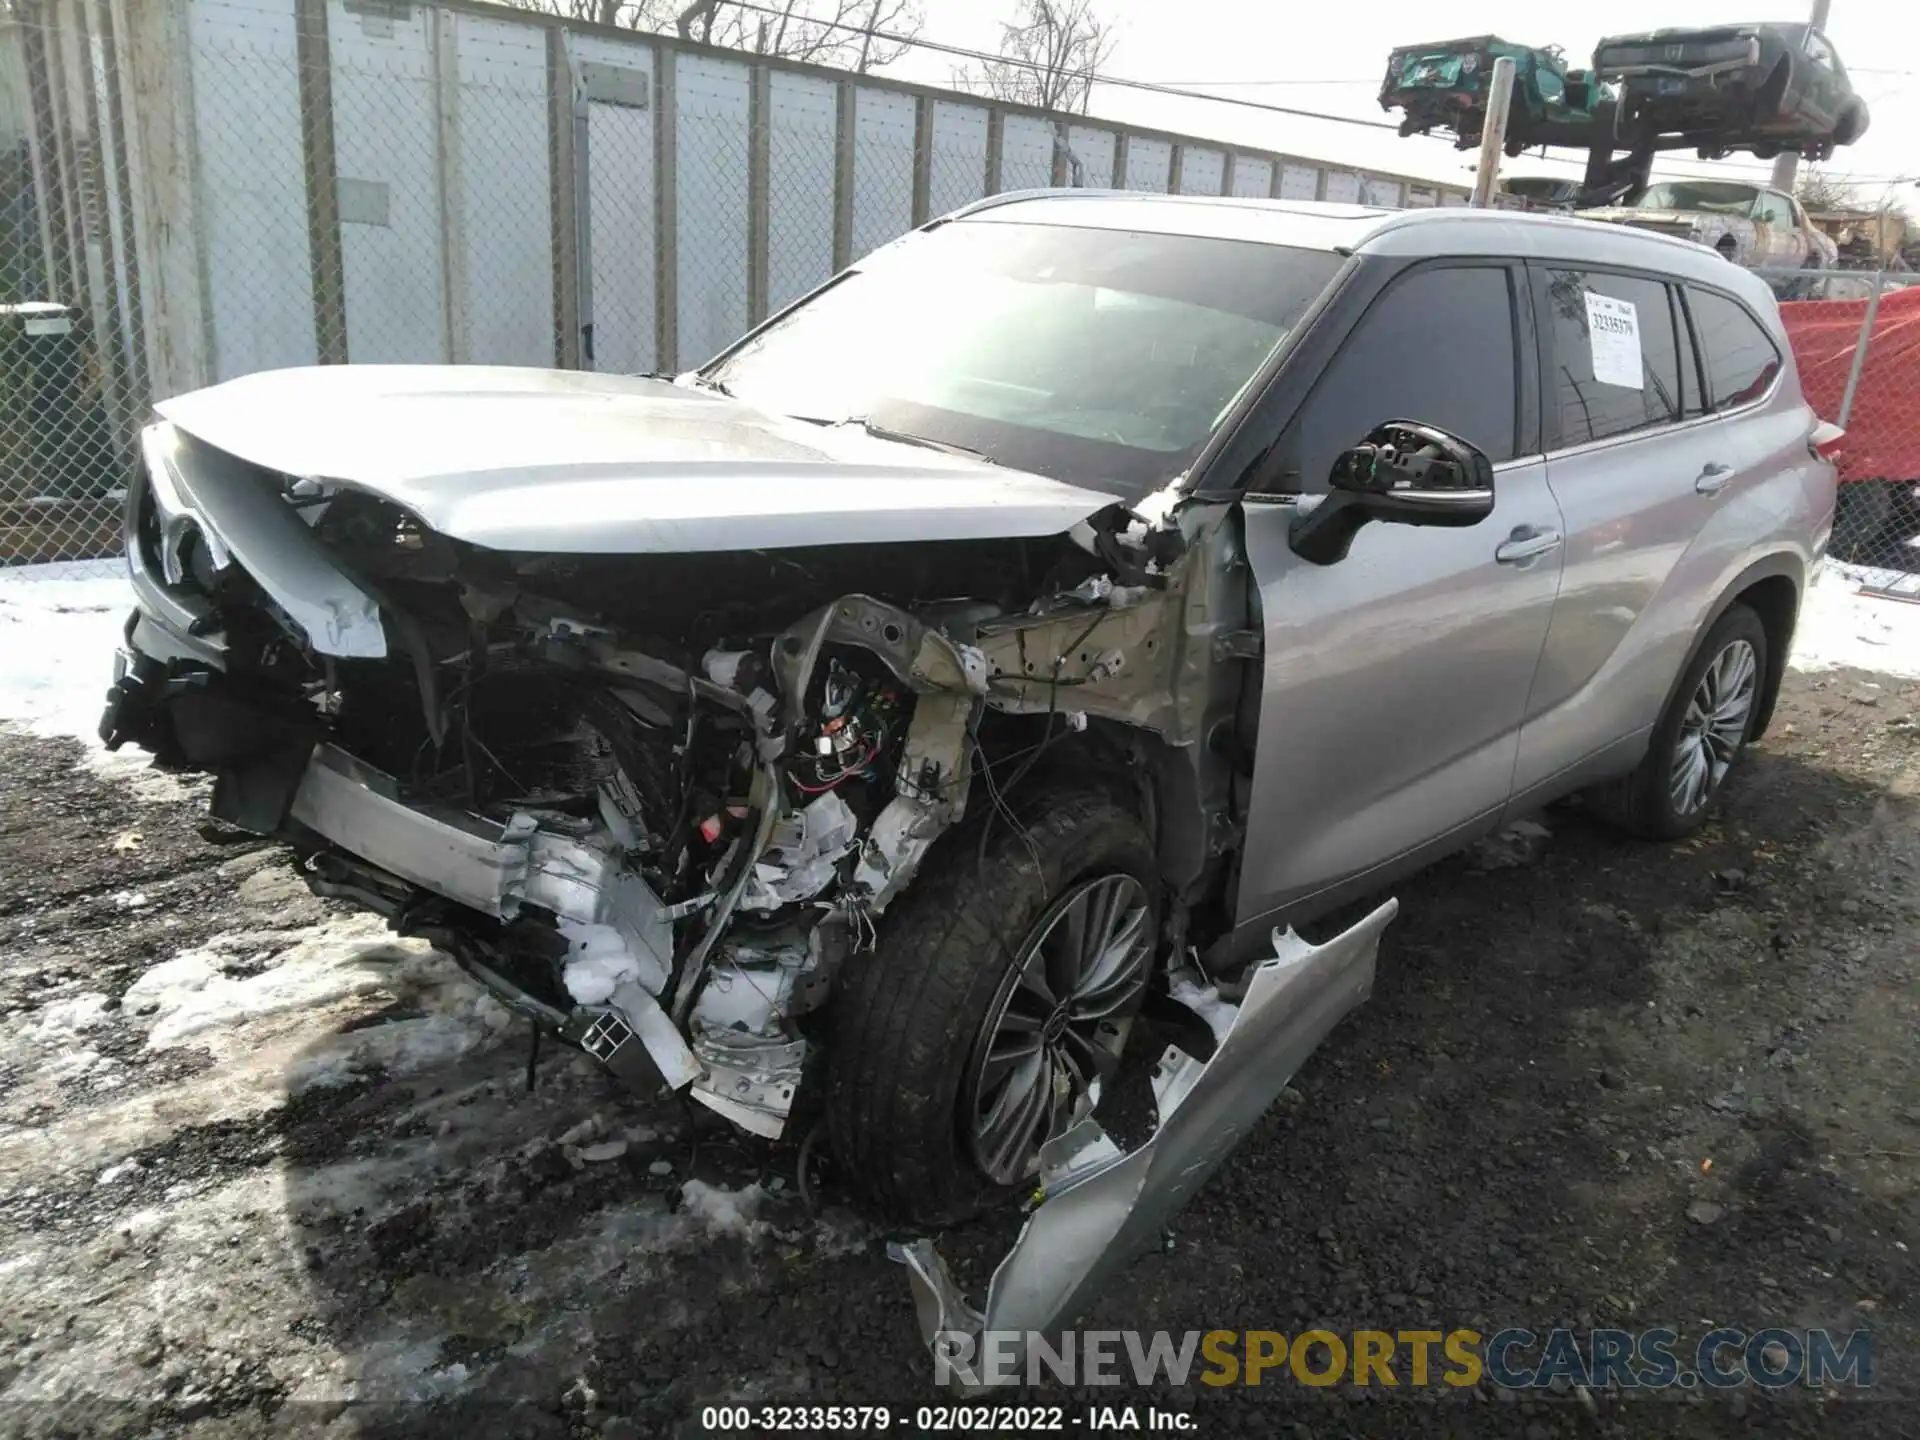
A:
<point x="1443" y="86"/>
<point x="934" y="705"/>
<point x="1768" y="88"/>
<point x="1751" y="225"/>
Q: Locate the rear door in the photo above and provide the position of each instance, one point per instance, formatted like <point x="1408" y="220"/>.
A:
<point x="1396" y="680"/>
<point x="1642" y="470"/>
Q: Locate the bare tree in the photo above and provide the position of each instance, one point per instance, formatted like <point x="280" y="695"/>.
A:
<point x="1819" y="190"/>
<point x="849" y="34"/>
<point x="1051" y="53"/>
<point x="632" y="14"/>
<point x="858" y="35"/>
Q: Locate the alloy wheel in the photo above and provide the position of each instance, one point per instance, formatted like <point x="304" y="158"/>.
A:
<point x="1058" y="1024"/>
<point x="1714" y="728"/>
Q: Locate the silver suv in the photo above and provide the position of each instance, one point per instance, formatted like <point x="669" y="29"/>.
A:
<point x="959" y="680"/>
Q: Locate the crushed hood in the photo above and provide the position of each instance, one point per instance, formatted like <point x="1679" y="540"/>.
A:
<point x="581" y="463"/>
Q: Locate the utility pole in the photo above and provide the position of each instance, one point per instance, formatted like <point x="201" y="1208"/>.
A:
<point x="1493" y="132"/>
<point x="1788" y="164"/>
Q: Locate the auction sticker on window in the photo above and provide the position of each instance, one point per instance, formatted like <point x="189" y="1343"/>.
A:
<point x="1613" y="328"/>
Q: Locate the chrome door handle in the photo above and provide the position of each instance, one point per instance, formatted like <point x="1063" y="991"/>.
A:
<point x="1713" y="478"/>
<point x="1525" y="544"/>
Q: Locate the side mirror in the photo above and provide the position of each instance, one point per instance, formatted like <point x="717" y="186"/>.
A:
<point x="1403" y="473"/>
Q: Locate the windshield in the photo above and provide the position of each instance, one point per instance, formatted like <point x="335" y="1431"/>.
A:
<point x="1716" y="196"/>
<point x="1100" y="357"/>
<point x="1535" y="187"/>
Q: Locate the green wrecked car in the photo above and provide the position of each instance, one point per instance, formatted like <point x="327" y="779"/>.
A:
<point x="1444" y="86"/>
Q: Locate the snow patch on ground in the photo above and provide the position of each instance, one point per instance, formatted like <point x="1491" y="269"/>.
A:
<point x="59" y="627"/>
<point x="721" y="1211"/>
<point x="191" y="994"/>
<point x="1840" y="628"/>
<point x="63" y="1019"/>
<point x="192" y="999"/>
<point x="400" y="1047"/>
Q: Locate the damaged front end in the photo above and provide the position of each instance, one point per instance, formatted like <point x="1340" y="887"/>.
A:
<point x="656" y="800"/>
<point x="1101" y="1207"/>
<point x="633" y="796"/>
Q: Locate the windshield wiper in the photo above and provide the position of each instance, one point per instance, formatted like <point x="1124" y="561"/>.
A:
<point x="902" y="437"/>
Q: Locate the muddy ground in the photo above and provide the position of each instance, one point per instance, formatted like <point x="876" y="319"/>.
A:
<point x="264" y="1170"/>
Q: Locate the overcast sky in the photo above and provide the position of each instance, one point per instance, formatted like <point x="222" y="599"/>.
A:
<point x="1305" y="47"/>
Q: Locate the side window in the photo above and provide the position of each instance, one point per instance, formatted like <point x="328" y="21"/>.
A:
<point x="1740" y="357"/>
<point x="1817" y="49"/>
<point x="1774" y="209"/>
<point x="1440" y="347"/>
<point x="1616" y="358"/>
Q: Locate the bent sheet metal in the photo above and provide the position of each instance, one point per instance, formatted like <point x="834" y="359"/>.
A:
<point x="1102" y="1206"/>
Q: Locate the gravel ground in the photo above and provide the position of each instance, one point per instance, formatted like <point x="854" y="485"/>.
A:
<point x="258" y="1160"/>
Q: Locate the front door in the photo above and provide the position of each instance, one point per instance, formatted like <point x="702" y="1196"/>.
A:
<point x="1396" y="680"/>
<point x="1781" y="240"/>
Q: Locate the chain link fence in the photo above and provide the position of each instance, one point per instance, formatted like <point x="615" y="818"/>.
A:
<point x="1857" y="348"/>
<point x="71" y="385"/>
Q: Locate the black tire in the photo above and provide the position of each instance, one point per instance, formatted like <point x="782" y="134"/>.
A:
<point x="1642" y="803"/>
<point x="905" y="1016"/>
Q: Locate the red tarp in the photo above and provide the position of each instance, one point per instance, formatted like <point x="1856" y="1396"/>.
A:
<point x="1883" y="432"/>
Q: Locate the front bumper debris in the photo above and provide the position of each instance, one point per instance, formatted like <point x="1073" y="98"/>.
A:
<point x="1103" y="1207"/>
<point x="491" y="867"/>
<point x="496" y="869"/>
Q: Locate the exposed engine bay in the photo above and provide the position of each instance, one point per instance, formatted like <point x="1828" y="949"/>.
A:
<point x="655" y="803"/>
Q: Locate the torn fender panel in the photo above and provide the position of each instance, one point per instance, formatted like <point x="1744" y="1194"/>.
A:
<point x="1103" y="1207"/>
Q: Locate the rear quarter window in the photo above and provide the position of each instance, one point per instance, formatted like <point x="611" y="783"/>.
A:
<point x="1740" y="358"/>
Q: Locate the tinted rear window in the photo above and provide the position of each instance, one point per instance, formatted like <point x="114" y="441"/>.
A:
<point x="1740" y="357"/>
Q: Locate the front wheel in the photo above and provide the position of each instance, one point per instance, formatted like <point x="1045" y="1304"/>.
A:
<point x="1698" y="739"/>
<point x="996" y="1003"/>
